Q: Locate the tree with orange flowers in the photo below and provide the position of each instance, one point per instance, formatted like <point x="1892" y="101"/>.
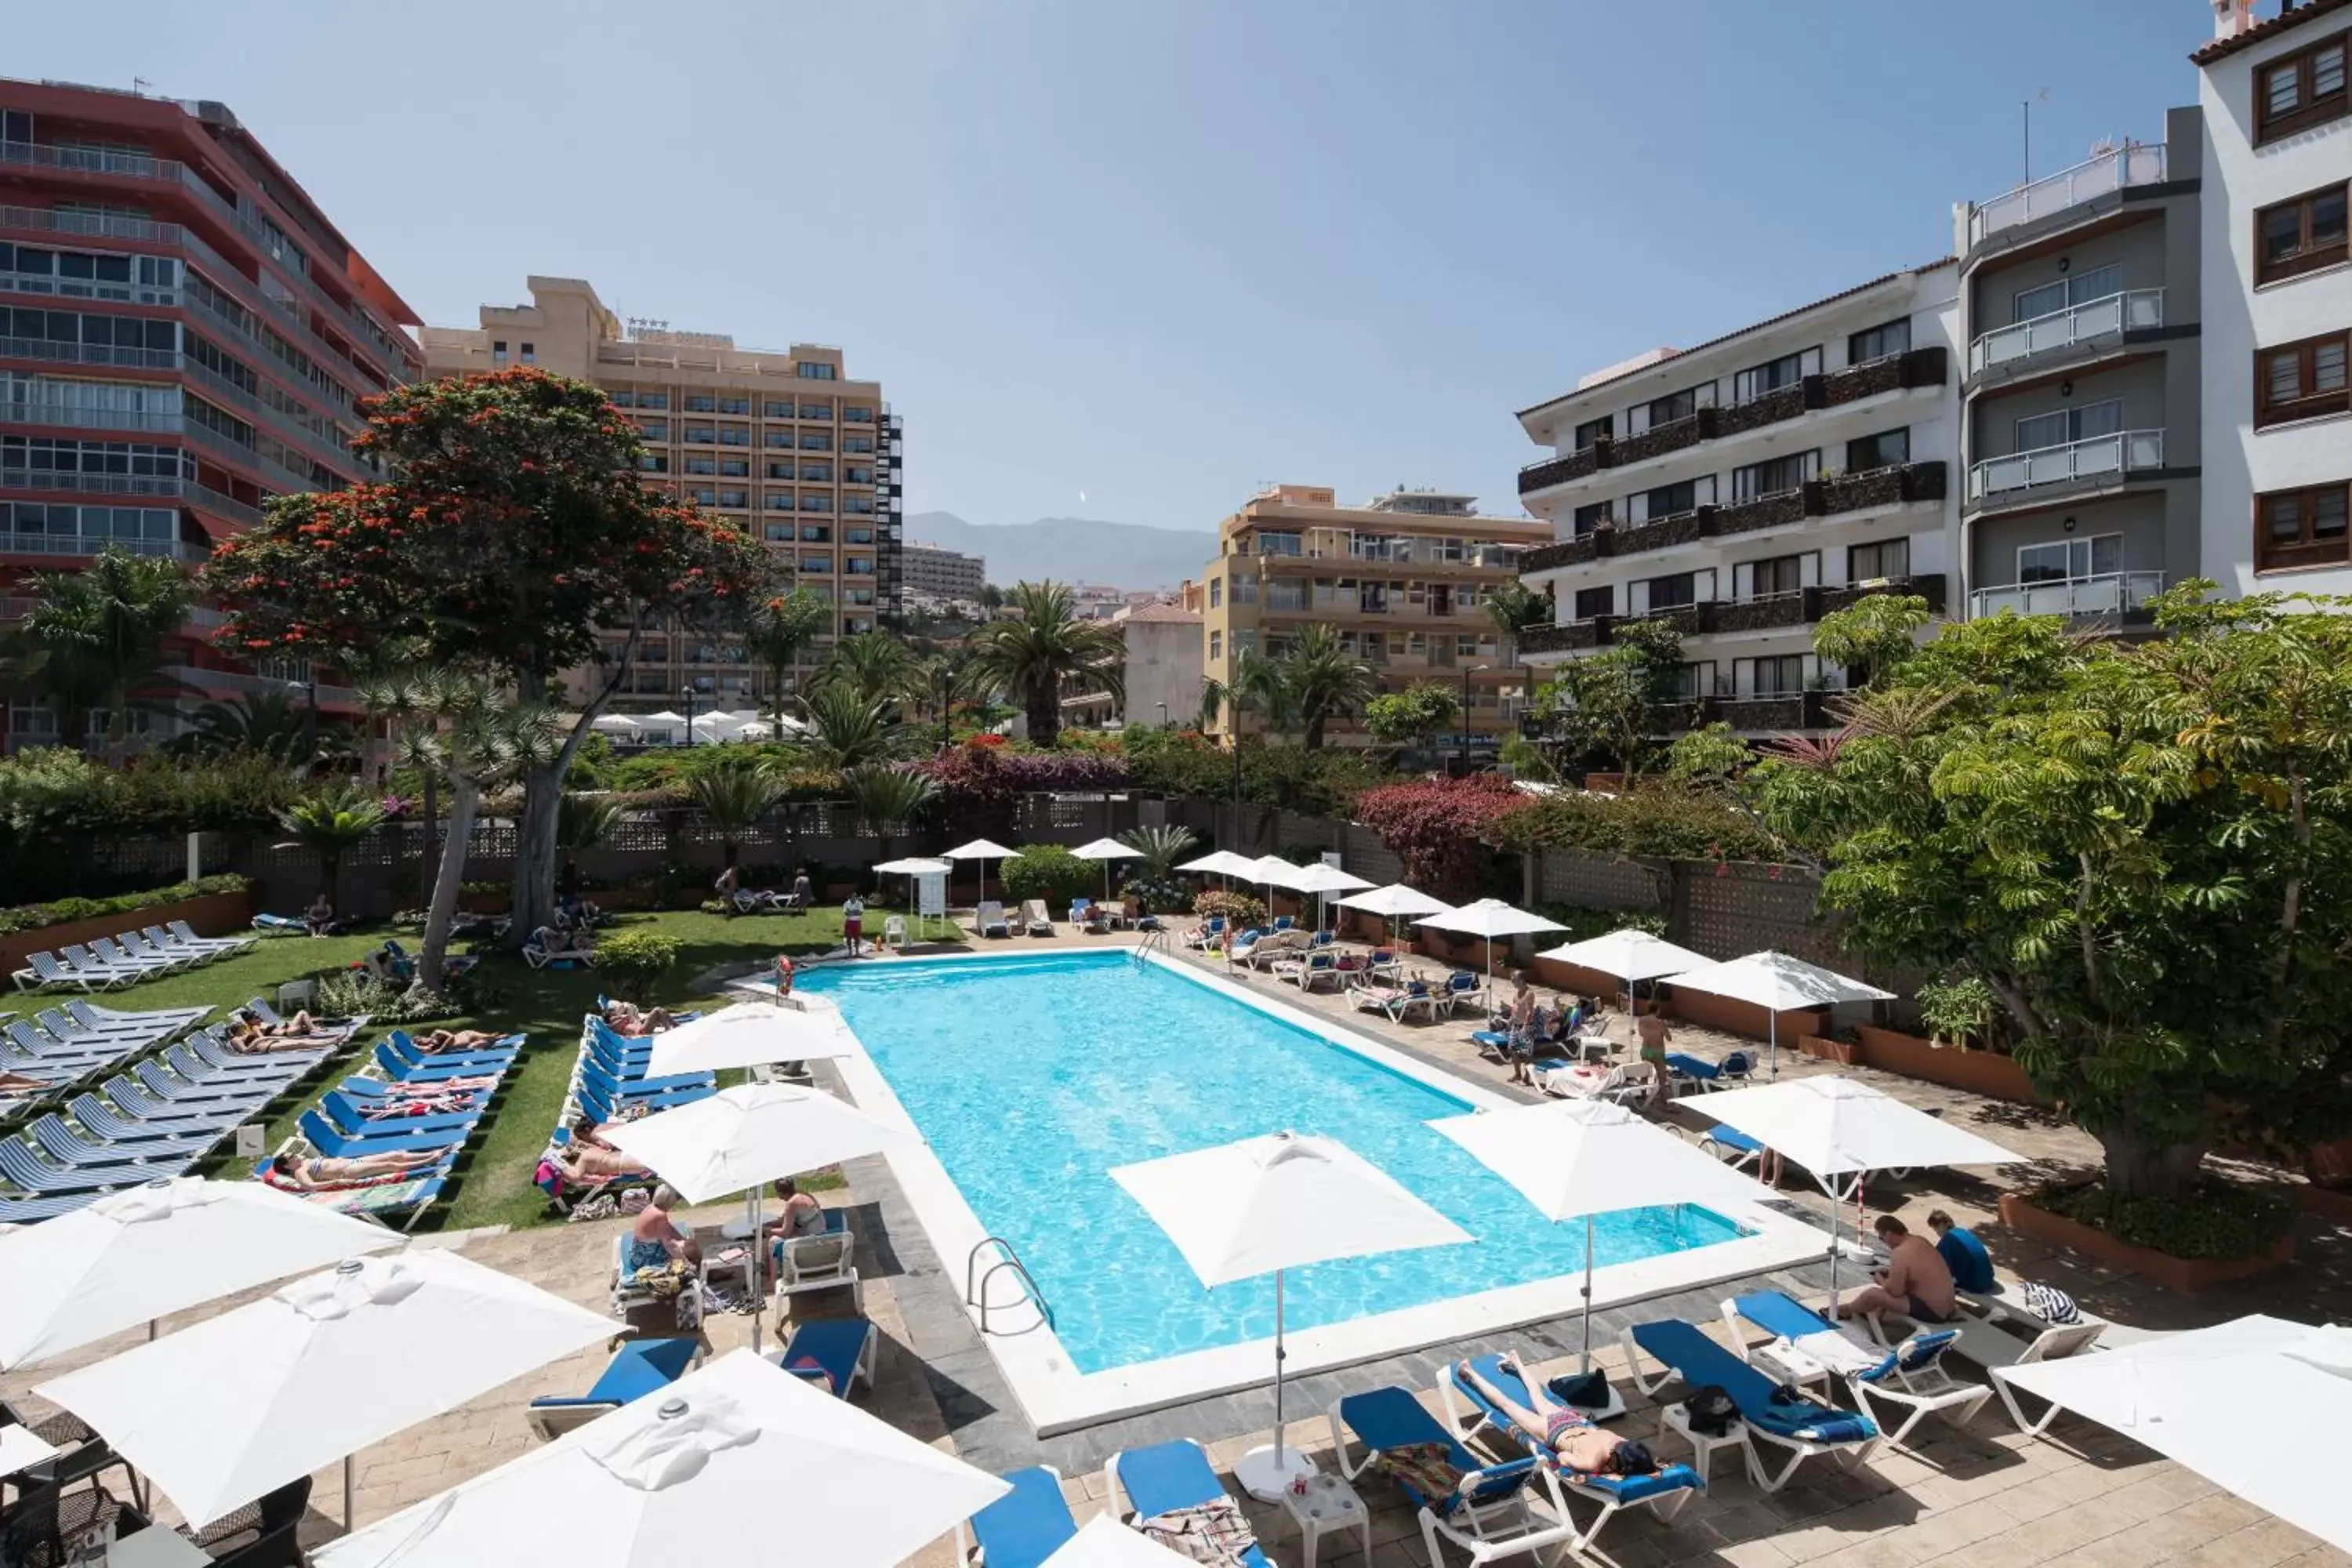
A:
<point x="513" y="540"/>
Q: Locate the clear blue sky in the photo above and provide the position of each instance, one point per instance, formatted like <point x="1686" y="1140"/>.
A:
<point x="1157" y="253"/>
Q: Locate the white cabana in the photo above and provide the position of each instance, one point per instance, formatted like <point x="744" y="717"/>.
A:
<point x="2258" y="1407"/>
<point x="1631" y="955"/>
<point x="746" y="1034"/>
<point x="982" y="850"/>
<point x="1107" y="850"/>
<point x="740" y="1139"/>
<point x="1322" y="878"/>
<point x="689" y="1476"/>
<point x="1575" y="1159"/>
<point x="1838" y="1127"/>
<point x="237" y="1406"/>
<point x="1489" y="918"/>
<point x="1395" y="902"/>
<point x="135" y="1256"/>
<point x="914" y="868"/>
<point x="1265" y="1205"/>
<point x="1778" y="984"/>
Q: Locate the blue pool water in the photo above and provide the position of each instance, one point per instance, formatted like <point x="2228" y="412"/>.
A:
<point x="1032" y="1077"/>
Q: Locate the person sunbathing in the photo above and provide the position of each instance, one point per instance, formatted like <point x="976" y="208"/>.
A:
<point x="17" y="1083"/>
<point x="626" y="1018"/>
<point x="441" y="1040"/>
<point x="585" y="1165"/>
<point x="250" y="1040"/>
<point x="1581" y="1448"/>
<point x="301" y="1023"/>
<point x="317" y="1173"/>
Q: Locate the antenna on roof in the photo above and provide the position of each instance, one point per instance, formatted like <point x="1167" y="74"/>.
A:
<point x="2041" y="95"/>
<point x="140" y="84"/>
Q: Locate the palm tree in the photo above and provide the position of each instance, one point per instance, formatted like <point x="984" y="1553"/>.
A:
<point x="1258" y="685"/>
<point x="888" y="798"/>
<point x="847" y="729"/>
<point x="1043" y="645"/>
<point x="256" y="722"/>
<point x="876" y="665"/>
<point x="329" y="824"/>
<point x="942" y="682"/>
<point x="734" y="793"/>
<point x="94" y="638"/>
<point x="1514" y="608"/>
<point x="1325" y="681"/>
<point x="1160" y="848"/>
<point x="583" y="822"/>
<point x="779" y="630"/>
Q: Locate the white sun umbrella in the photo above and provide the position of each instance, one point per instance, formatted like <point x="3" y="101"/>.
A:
<point x="746" y="1034"/>
<point x="1631" y="955"/>
<point x="1575" y="1159"/>
<point x="1104" y="1542"/>
<point x="133" y="1257"/>
<point x="1489" y="918"/>
<point x="614" y="721"/>
<point x="982" y="850"/>
<point x="1840" y="1127"/>
<point x="237" y="1406"/>
<point x="1393" y="903"/>
<point x="1272" y="871"/>
<point x="1322" y="878"/>
<point x="663" y="717"/>
<point x="1222" y="863"/>
<point x="1265" y="1205"/>
<point x="664" y="1479"/>
<point x="742" y="1138"/>
<point x="1778" y="984"/>
<point x="2258" y="1407"/>
<point x="1107" y="850"/>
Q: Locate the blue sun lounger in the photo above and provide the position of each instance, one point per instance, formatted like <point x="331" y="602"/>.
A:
<point x="321" y="1135"/>
<point x="1024" y="1527"/>
<point x="1164" y="1477"/>
<point x="1798" y="1426"/>
<point x="486" y="1058"/>
<point x="833" y="1353"/>
<point x="402" y="1070"/>
<point x="1911" y="1377"/>
<point x="1487" y="1514"/>
<point x="638" y="1368"/>
<point x="349" y="1117"/>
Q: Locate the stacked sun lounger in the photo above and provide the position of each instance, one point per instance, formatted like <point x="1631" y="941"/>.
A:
<point x="407" y="1101"/>
<point x="609" y="1083"/>
<point x="61" y="1047"/>
<point x="109" y="963"/>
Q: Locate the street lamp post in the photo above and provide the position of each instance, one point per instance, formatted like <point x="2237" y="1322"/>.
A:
<point x="687" y="692"/>
<point x="1462" y="740"/>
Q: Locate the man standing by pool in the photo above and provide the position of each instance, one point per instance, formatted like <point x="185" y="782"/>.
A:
<point x="1652" y="1031"/>
<point x="853" y="922"/>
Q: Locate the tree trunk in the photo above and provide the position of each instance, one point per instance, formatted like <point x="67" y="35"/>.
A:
<point x="2138" y="1166"/>
<point x="465" y="797"/>
<point x="543" y="799"/>
<point x="1045" y="713"/>
<point x="1313" y="738"/>
<point x="427" y="859"/>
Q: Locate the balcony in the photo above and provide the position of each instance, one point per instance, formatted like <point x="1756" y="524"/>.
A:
<point x="92" y="225"/>
<point x="1566" y="553"/>
<point x="2115" y="316"/>
<point x="89" y="354"/>
<point x="1875" y="488"/>
<point x="1781" y="403"/>
<point x="1763" y="512"/>
<point x="2099" y="460"/>
<point x="1895" y="373"/>
<point x="1573" y="637"/>
<point x="1774" y="711"/>
<point x="89" y="418"/>
<point x="1660" y="439"/>
<point x="74" y="544"/>
<point x="206" y="498"/>
<point x="1768" y="614"/>
<point x="2109" y="171"/>
<point x="2110" y="594"/>
<point x="1902" y="482"/>
<point x="1715" y="616"/>
<point x="160" y="484"/>
<point x="1578" y="464"/>
<point x="1927" y="585"/>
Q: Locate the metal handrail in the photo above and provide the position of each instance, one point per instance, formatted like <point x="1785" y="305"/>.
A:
<point x="2133" y="164"/>
<point x="2094" y="456"/>
<point x="975" y="1289"/>
<point x="2106" y="594"/>
<point x="2125" y="310"/>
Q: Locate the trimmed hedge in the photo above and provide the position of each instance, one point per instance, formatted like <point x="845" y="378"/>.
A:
<point x="2219" y="1219"/>
<point x="57" y="911"/>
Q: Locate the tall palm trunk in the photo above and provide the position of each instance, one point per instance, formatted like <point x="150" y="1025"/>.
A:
<point x="1043" y="710"/>
<point x="464" y="801"/>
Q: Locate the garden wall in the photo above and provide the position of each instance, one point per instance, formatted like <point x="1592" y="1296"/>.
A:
<point x="214" y="914"/>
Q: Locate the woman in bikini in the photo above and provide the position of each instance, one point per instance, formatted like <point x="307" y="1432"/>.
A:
<point x="441" y="1040"/>
<point x="250" y="1040"/>
<point x="320" y="1174"/>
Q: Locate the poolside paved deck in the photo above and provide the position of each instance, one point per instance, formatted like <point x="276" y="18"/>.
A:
<point x="1982" y="1497"/>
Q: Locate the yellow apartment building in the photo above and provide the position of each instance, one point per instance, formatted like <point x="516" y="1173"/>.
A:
<point x="1403" y="580"/>
<point x="783" y="445"/>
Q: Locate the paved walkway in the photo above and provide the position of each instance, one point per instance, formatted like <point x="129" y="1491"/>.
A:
<point x="1983" y="1497"/>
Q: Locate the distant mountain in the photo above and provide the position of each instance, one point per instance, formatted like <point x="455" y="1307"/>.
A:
<point x="1071" y="549"/>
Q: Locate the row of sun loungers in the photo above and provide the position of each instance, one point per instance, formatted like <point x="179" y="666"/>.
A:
<point x="609" y="1083"/>
<point x="61" y="1047"/>
<point x="109" y="963"/>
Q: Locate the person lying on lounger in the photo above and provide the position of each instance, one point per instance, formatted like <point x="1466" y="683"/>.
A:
<point x="1581" y="1448"/>
<point x="251" y="1040"/>
<point x="316" y="1174"/>
<point x="628" y="1018"/>
<point x="17" y="1083"/>
<point x="441" y="1040"/>
<point x="301" y="1023"/>
<point x="585" y="1165"/>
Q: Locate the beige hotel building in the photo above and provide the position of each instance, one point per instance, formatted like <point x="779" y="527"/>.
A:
<point x="1403" y="578"/>
<point x="782" y="445"/>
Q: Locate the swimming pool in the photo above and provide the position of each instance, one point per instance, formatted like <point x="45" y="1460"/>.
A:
<point x="1029" y="1077"/>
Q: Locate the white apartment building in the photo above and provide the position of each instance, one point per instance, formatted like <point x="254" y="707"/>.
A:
<point x="1749" y="486"/>
<point x="2277" y="406"/>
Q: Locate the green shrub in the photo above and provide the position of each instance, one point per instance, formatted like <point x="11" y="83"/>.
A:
<point x="348" y="992"/>
<point x="1663" y="820"/>
<point x="1243" y="911"/>
<point x="1050" y="872"/>
<point x="630" y="961"/>
<point x="2219" y="1219"/>
<point x="57" y="911"/>
<point x="1961" y="1012"/>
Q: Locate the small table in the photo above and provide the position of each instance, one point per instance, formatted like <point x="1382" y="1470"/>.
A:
<point x="1327" y="1504"/>
<point x="156" y="1547"/>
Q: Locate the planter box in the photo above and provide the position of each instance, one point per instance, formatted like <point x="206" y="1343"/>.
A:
<point x="214" y="914"/>
<point x="2177" y="1273"/>
<point x="1987" y="1073"/>
<point x="1821" y="1047"/>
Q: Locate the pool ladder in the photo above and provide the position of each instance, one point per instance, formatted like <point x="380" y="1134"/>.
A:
<point x="1155" y="940"/>
<point x="975" y="1282"/>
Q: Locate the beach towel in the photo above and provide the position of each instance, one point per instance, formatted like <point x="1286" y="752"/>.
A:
<point x="1212" y="1531"/>
<point x="1425" y="1469"/>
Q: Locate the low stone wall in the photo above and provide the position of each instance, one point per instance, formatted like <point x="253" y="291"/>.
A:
<point x="214" y="914"/>
<point x="1987" y="1073"/>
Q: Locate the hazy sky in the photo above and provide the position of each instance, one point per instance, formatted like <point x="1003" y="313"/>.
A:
<point x="1157" y="253"/>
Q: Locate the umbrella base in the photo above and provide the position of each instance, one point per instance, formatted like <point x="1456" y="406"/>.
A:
<point x="1267" y="1480"/>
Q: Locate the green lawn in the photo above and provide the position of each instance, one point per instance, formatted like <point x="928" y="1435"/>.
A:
<point x="493" y="1185"/>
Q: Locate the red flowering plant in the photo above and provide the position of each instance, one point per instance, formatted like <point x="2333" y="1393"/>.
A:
<point x="1438" y="827"/>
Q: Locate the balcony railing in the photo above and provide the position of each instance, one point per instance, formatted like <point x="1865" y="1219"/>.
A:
<point x="1715" y="616"/>
<point x="92" y="226"/>
<point x="88" y="419"/>
<point x="75" y="544"/>
<point x="2129" y="164"/>
<point x="2131" y="310"/>
<point x="89" y="354"/>
<point x="2109" y="594"/>
<point x="2100" y="459"/>
<point x="160" y="484"/>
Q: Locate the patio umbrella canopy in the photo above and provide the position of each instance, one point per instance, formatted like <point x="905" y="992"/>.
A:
<point x="666" y="1480"/>
<point x="1778" y="984"/>
<point x="1489" y="918"/>
<point x="1631" y="955"/>
<point x="2258" y="1407"/>
<point x="237" y="1406"/>
<point x="1222" y="863"/>
<point x="1838" y="1127"/>
<point x="133" y="1257"/>
<point x="1265" y="1205"/>
<point x="1107" y="850"/>
<point x="1322" y="878"/>
<point x="1576" y="1159"/>
<point x="1104" y="1542"/>
<point x="1394" y="903"/>
<point x="982" y="850"/>
<point x="747" y="1035"/>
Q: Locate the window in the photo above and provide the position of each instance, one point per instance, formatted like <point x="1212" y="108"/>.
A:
<point x="2302" y="528"/>
<point x="2304" y="90"/>
<point x="2300" y="236"/>
<point x="1879" y="342"/>
<point x="857" y="413"/>
<point x="654" y="462"/>
<point x="499" y="351"/>
<point x="707" y="435"/>
<point x="736" y="499"/>
<point x="2067" y="293"/>
<point x="1673" y="592"/>
<point x="1244" y="590"/>
<point x="857" y="536"/>
<point x="816" y="504"/>
<point x="817" y="534"/>
<point x="1883" y="450"/>
<point x="1781" y="575"/>
<point x="1781" y="675"/>
<point x="1889" y="558"/>
<point x="654" y="430"/>
<point x="817" y="370"/>
<point x="734" y="405"/>
<point x="653" y="400"/>
<point x="776" y="410"/>
<point x="530" y="354"/>
<point x="695" y="465"/>
<point x="1216" y="592"/>
<point x="817" y="441"/>
<point x="702" y="403"/>
<point x="1216" y="644"/>
<point x="1441" y="598"/>
<point x="1667" y="409"/>
<point x="735" y="467"/>
<point x="1787" y="371"/>
<point x="1280" y="544"/>
<point x="734" y="435"/>
<point x="820" y="565"/>
<point x="857" y="443"/>
<point x="817" y="473"/>
<point x="778" y="532"/>
<point x="1592" y="430"/>
<point x="1670" y="501"/>
<point x="2066" y="560"/>
<point x="1592" y="603"/>
<point x="2301" y="380"/>
<point x="815" y="410"/>
<point x="1589" y="518"/>
<point x="2064" y="426"/>
<point x="1372" y="598"/>
<point x="1774" y="476"/>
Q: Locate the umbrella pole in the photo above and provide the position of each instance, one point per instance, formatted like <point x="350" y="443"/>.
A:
<point x="1586" y="1364"/>
<point x="350" y="1522"/>
<point x="1775" y="1027"/>
<point x="755" y="1267"/>
<point x="1278" y="1354"/>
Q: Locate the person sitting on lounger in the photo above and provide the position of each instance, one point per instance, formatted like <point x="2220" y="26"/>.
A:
<point x="628" y="1018"/>
<point x="654" y="1237"/>
<point x="17" y="1083"/>
<point x="1916" y="1283"/>
<point x="301" y="1023"/>
<point x="319" y="917"/>
<point x="441" y="1040"/>
<point x="802" y="1215"/>
<point x="316" y="1174"/>
<point x="1581" y="1448"/>
<point x="1963" y="1254"/>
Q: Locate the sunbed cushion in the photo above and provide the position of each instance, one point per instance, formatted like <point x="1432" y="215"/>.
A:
<point x="829" y="1350"/>
<point x="1673" y="1478"/>
<point x="1027" y="1524"/>
<point x="1701" y="1360"/>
